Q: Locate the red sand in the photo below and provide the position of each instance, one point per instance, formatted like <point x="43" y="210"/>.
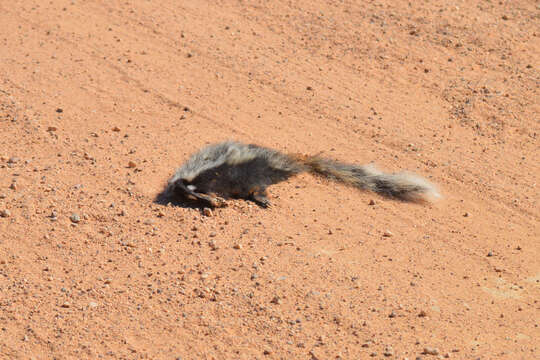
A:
<point x="443" y="88"/>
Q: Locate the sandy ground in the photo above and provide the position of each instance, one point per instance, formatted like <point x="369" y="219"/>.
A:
<point x="101" y="100"/>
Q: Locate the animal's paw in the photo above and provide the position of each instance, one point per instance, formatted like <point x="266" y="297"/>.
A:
<point x="218" y="202"/>
<point x="262" y="201"/>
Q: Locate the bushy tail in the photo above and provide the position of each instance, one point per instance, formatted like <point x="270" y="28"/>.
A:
<point x="403" y="185"/>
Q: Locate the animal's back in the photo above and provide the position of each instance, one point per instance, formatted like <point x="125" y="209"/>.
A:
<point x="233" y="169"/>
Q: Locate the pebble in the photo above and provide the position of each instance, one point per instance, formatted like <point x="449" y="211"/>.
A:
<point x="13" y="186"/>
<point x="490" y="254"/>
<point x="237" y="246"/>
<point x="52" y="128"/>
<point x="66" y="305"/>
<point x="392" y="315"/>
<point x="207" y="212"/>
<point x="276" y="300"/>
<point x="116" y="129"/>
<point x="371" y="202"/>
<point x="93" y="304"/>
<point x="388" y="351"/>
<point x="132" y="164"/>
<point x="75" y="218"/>
<point x="431" y="351"/>
<point x="213" y="245"/>
<point x="13" y="160"/>
<point x="148" y="222"/>
<point x="422" y="313"/>
<point x="388" y="233"/>
<point x="5" y="213"/>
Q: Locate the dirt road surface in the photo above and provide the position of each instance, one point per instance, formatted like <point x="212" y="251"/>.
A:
<point x="101" y="100"/>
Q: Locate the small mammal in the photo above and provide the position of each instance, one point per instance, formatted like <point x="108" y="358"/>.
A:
<point x="235" y="170"/>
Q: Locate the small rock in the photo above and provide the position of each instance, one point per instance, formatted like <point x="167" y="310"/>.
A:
<point x="52" y="128"/>
<point x="276" y="300"/>
<point x="75" y="218"/>
<point x="66" y="305"/>
<point x="92" y="304"/>
<point x="309" y="88"/>
<point x="422" y="313"/>
<point x="392" y="314"/>
<point x="116" y="129"/>
<point x="148" y="222"/>
<point x="5" y="213"/>
<point x="505" y="17"/>
<point x="13" y="160"/>
<point x="466" y="214"/>
<point x="213" y="245"/>
<point x="13" y="186"/>
<point x="59" y="110"/>
<point x="237" y="246"/>
<point x="388" y="233"/>
<point x="132" y="164"/>
<point x="388" y="351"/>
<point x="431" y="351"/>
<point x="490" y="254"/>
<point x="207" y="212"/>
<point x="371" y="202"/>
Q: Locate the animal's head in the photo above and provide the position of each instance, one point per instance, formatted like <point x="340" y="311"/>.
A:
<point x="187" y="190"/>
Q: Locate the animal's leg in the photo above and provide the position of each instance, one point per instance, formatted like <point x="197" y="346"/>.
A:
<point x="212" y="201"/>
<point x="260" y="197"/>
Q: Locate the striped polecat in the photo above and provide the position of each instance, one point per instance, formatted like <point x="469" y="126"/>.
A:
<point x="235" y="170"/>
